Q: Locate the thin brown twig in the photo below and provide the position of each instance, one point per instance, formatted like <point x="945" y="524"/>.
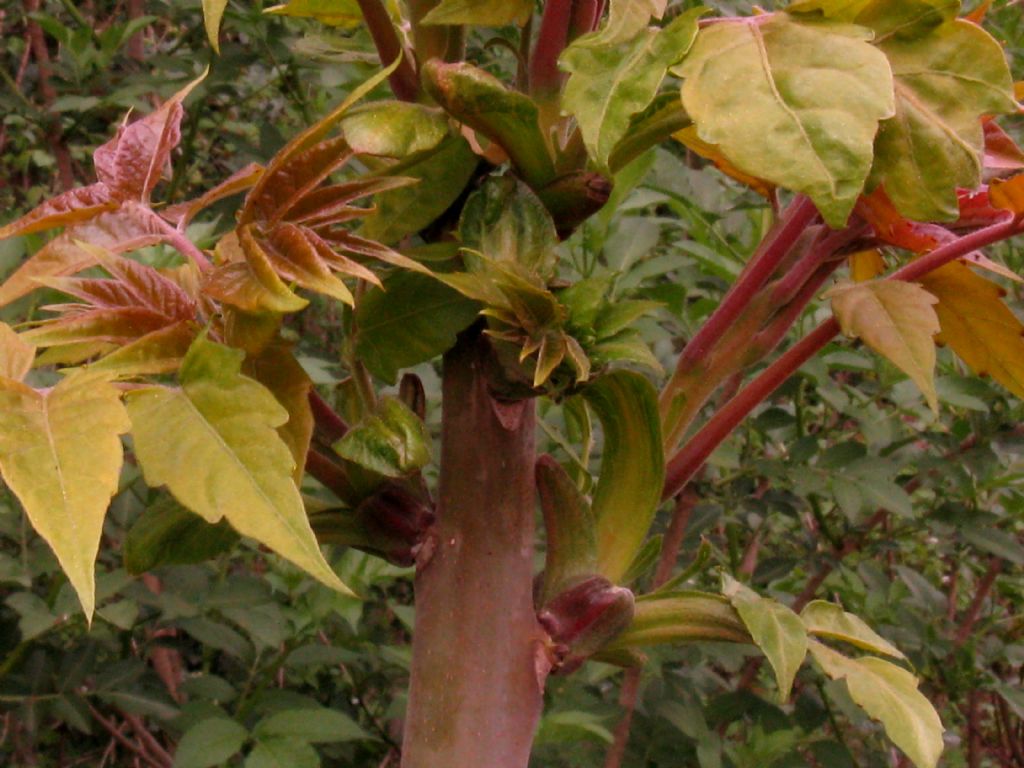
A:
<point x="110" y="727"/>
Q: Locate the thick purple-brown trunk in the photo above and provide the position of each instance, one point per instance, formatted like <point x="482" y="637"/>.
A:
<point x="477" y="669"/>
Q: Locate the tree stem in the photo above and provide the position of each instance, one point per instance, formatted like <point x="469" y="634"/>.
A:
<point x="479" y="664"/>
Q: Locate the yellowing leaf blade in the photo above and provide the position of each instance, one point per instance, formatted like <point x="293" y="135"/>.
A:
<point x="897" y="320"/>
<point x="888" y="694"/>
<point x="226" y="458"/>
<point x="16" y="354"/>
<point x="797" y="105"/>
<point x="60" y="453"/>
<point x="977" y="324"/>
<point x="776" y="630"/>
<point x="829" y="620"/>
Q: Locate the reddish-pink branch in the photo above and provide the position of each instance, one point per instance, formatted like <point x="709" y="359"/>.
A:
<point x="995" y="565"/>
<point x="404" y="82"/>
<point x="682" y="466"/>
<point x="545" y="77"/>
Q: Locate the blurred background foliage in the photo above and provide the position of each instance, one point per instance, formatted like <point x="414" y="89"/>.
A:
<point x="844" y="486"/>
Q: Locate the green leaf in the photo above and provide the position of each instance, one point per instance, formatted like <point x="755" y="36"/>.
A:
<point x="829" y="620"/>
<point x="169" y="534"/>
<point x="888" y="694"/>
<point x="482" y="13"/>
<point x="276" y="368"/>
<point x="412" y="319"/>
<point x="60" y="453"/>
<point x="507" y="117"/>
<point x="776" y="630"/>
<point x="627" y="17"/>
<point x="999" y="543"/>
<point x="393" y="441"/>
<point x="319" y="726"/>
<point x="571" y="551"/>
<point x="443" y="172"/>
<point x="797" y="105"/>
<point x="897" y="320"/>
<point x="944" y="83"/>
<point x="394" y="128"/>
<point x="210" y="742"/>
<point x="505" y="221"/>
<point x="905" y="18"/>
<point x="226" y="459"/>
<point x="683" y="616"/>
<point x="611" y="82"/>
<point x="282" y="752"/>
<point x="16" y="354"/>
<point x="632" y="467"/>
<point x="333" y="13"/>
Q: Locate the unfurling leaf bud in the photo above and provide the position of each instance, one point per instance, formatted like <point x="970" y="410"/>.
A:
<point x="585" y="618"/>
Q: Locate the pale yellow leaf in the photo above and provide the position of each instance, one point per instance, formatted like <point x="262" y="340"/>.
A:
<point x="897" y="320"/>
<point x="214" y="443"/>
<point x="61" y="455"/>
<point x="16" y="354"/>
<point x="977" y="324"/>
<point x="889" y="694"/>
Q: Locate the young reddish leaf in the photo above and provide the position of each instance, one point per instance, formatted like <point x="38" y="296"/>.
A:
<point x="1001" y="151"/>
<point x="304" y="141"/>
<point x="81" y="323"/>
<point x="158" y="352"/>
<point x="283" y="186"/>
<point x="60" y="453"/>
<point x="133" y="161"/>
<point x="68" y="208"/>
<point x="977" y="16"/>
<point x="295" y="258"/>
<point x="897" y="320"/>
<point x="16" y="354"/>
<point x="226" y="459"/>
<point x="330" y="205"/>
<point x="126" y="229"/>
<point x="182" y="213"/>
<point x="1008" y="195"/>
<point x="246" y="279"/>
<point x="977" y="325"/>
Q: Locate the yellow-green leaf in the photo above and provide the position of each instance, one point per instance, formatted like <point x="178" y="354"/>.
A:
<point x="486" y="13"/>
<point x="776" y="630"/>
<point x="16" y="354"/>
<point x="829" y="620"/>
<point x="213" y="443"/>
<point x="798" y="105"/>
<point x="888" y="694"/>
<point x="611" y="82"/>
<point x="944" y="81"/>
<point x="333" y="13"/>
<point x="977" y="325"/>
<point x="632" y="467"/>
<point x="213" y="13"/>
<point x="897" y="320"/>
<point x="60" y="453"/>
